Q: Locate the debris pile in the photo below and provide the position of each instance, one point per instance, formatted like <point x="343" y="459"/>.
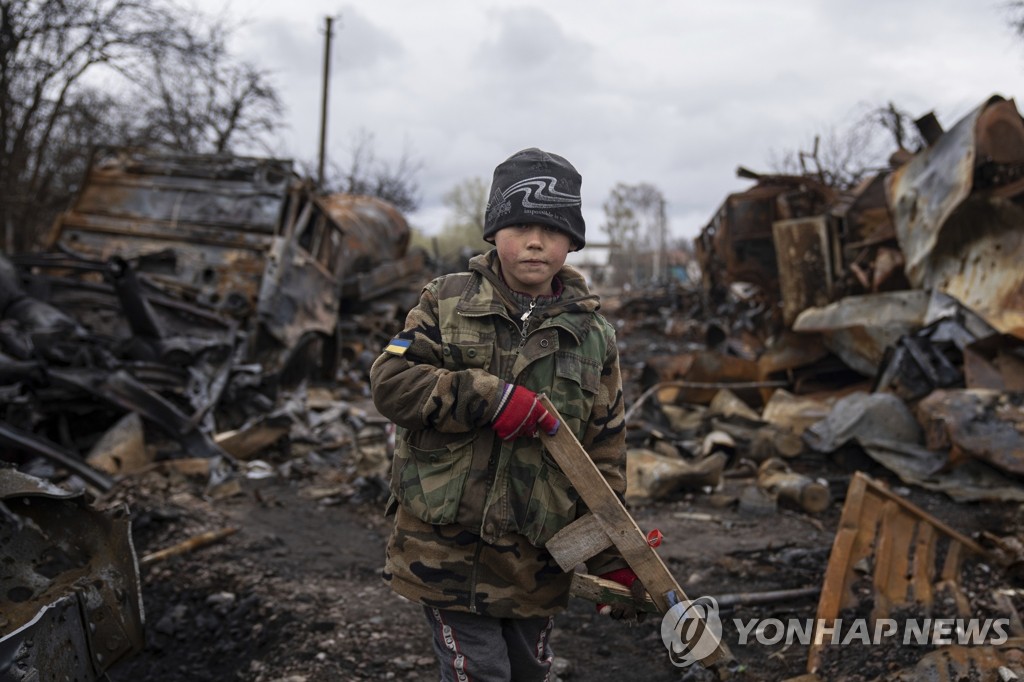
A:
<point x="884" y="322"/>
<point x="213" y="319"/>
<point x="179" y="319"/>
<point x="196" y="292"/>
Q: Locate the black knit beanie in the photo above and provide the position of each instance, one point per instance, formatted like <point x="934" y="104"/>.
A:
<point x="534" y="186"/>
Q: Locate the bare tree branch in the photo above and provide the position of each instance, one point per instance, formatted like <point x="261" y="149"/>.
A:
<point x="178" y="87"/>
<point x="366" y="174"/>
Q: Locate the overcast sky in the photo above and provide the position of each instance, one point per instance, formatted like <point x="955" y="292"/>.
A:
<point x="673" y="93"/>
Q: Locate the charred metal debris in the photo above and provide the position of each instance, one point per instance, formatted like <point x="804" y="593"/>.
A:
<point x="194" y="291"/>
<point x="888" y="318"/>
<point x="877" y="327"/>
<point x="180" y="310"/>
<point x="188" y="309"/>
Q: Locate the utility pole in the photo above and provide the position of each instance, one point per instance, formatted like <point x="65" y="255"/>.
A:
<point x="661" y="254"/>
<point x="323" y="102"/>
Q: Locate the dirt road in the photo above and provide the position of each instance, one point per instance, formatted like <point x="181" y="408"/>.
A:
<point x="295" y="594"/>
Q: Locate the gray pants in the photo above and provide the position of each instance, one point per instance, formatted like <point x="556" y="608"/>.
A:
<point x="474" y="648"/>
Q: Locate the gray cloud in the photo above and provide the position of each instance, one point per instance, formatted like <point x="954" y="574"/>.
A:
<point x="676" y="94"/>
<point x="527" y="52"/>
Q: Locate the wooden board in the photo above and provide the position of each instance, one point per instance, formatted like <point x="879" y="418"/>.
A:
<point x="900" y="542"/>
<point x="619" y="527"/>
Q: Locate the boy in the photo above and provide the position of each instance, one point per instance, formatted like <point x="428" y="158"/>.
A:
<point x="474" y="493"/>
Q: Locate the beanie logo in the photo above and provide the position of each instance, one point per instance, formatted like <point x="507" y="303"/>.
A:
<point x="541" y="192"/>
<point x="538" y="192"/>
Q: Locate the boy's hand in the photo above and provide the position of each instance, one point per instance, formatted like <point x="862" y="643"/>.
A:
<point x="521" y="414"/>
<point x="626" y="577"/>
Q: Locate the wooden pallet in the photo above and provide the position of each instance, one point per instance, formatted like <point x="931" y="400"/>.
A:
<point x="912" y="555"/>
<point x="608" y="523"/>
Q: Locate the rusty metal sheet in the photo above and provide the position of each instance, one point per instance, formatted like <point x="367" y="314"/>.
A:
<point x="858" y="329"/>
<point x="884" y="427"/>
<point x="214" y="215"/>
<point x="297" y="296"/>
<point x="996" y="362"/>
<point x="231" y="192"/>
<point x="971" y="481"/>
<point x="958" y="237"/>
<point x="70" y="602"/>
<point x="983" y="424"/>
<point x="865" y="216"/>
<point x="790" y="351"/>
<point x="389" y="276"/>
<point x="804" y="263"/>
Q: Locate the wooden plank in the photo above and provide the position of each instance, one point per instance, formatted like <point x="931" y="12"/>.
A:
<point x="836" y="582"/>
<point x="951" y="568"/>
<point x="577" y="542"/>
<point x="904" y="530"/>
<point x="868" y="522"/>
<point x="619" y="526"/>
<point x="924" y="564"/>
<point x="911" y="508"/>
<point x="885" y="555"/>
<point x="605" y="505"/>
<point x="879" y="525"/>
<point x="839" y="559"/>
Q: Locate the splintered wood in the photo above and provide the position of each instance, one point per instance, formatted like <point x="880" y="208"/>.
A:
<point x="186" y="546"/>
<point x="896" y="550"/>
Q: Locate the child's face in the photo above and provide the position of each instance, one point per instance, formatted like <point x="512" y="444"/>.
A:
<point x="531" y="255"/>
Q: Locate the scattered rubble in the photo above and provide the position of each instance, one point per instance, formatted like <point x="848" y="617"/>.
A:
<point x="194" y="344"/>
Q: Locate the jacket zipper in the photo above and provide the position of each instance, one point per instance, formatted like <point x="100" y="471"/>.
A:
<point x="523" y="333"/>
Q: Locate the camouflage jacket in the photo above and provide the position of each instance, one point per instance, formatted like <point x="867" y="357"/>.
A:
<point x="473" y="512"/>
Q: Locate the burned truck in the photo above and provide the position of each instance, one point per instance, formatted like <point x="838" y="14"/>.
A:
<point x="233" y="244"/>
<point x="192" y="290"/>
<point x="180" y="298"/>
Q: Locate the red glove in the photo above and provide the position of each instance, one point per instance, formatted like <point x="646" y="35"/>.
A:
<point x="623" y="576"/>
<point x="520" y="414"/>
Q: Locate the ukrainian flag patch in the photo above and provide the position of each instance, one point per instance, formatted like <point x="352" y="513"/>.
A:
<point x="398" y="346"/>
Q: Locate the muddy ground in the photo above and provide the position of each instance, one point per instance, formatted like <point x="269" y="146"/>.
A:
<point x="295" y="593"/>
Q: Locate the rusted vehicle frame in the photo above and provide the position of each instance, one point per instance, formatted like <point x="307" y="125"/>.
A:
<point x="738" y="245"/>
<point x="244" y="237"/>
